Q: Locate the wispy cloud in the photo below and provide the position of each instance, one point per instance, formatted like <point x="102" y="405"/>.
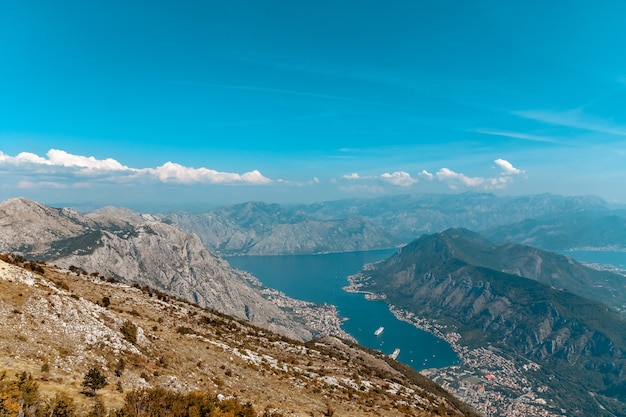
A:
<point x="516" y="135"/>
<point x="63" y="164"/>
<point x="575" y="119"/>
<point x="398" y="178"/>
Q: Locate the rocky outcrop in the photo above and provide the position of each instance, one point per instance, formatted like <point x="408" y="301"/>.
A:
<point x="139" y="249"/>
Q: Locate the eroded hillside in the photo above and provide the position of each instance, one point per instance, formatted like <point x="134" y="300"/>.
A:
<point x="58" y="323"/>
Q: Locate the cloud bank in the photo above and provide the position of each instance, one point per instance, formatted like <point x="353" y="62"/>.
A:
<point x="59" y="163"/>
<point x="454" y="180"/>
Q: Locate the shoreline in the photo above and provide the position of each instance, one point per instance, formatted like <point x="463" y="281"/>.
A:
<point x="484" y="378"/>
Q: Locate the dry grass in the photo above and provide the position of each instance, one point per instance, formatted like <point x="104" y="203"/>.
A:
<point x="56" y="327"/>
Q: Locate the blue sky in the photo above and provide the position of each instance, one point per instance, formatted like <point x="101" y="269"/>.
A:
<point x="205" y="102"/>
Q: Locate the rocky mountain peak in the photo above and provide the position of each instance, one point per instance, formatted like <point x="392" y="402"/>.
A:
<point x="141" y="249"/>
<point x="28" y="225"/>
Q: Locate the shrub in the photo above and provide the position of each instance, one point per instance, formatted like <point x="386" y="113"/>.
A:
<point x="160" y="402"/>
<point x="61" y="405"/>
<point x="184" y="330"/>
<point x="119" y="367"/>
<point x="35" y="268"/>
<point x="94" y="380"/>
<point x="129" y="331"/>
<point x="98" y="409"/>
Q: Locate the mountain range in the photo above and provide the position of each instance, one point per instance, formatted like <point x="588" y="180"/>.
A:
<point x="523" y="301"/>
<point x="256" y="228"/>
<point x="140" y="249"/>
<point x="542" y="311"/>
<point x="589" y="230"/>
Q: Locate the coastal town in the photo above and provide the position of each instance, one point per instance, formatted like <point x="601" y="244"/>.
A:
<point x="486" y="380"/>
<point x="491" y="383"/>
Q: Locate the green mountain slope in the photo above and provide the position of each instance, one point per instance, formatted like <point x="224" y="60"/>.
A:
<point x="456" y="278"/>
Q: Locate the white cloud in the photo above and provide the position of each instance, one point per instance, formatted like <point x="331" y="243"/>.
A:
<point x="173" y="172"/>
<point x="453" y="178"/>
<point x="27" y="157"/>
<point x="507" y="167"/>
<point x="64" y="164"/>
<point x="456" y="179"/>
<point x="62" y="158"/>
<point x="425" y="174"/>
<point x="400" y="178"/>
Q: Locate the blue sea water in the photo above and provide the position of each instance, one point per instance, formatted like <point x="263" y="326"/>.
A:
<point x="616" y="259"/>
<point x="320" y="279"/>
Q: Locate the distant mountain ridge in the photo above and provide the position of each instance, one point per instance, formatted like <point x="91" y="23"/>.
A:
<point x="586" y="230"/>
<point x="141" y="249"/>
<point x="256" y="228"/>
<point x="506" y="296"/>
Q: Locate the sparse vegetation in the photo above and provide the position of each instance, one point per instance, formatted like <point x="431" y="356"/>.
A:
<point x="248" y="366"/>
<point x="119" y="367"/>
<point x="129" y="331"/>
<point x="106" y="301"/>
<point x="94" y="380"/>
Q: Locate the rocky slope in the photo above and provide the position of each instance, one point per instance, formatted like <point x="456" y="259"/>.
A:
<point x="450" y="277"/>
<point x="271" y="229"/>
<point x="140" y="249"/>
<point x="58" y="325"/>
<point x="358" y="224"/>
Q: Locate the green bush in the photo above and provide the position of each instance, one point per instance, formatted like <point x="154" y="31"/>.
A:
<point x="94" y="380"/>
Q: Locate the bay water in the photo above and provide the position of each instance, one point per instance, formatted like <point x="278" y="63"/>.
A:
<point x="612" y="258"/>
<point x="320" y="279"/>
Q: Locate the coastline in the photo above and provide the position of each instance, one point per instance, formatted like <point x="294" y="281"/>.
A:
<point x="484" y="378"/>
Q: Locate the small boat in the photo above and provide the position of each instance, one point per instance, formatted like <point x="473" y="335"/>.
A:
<point x="395" y="354"/>
<point x="379" y="331"/>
